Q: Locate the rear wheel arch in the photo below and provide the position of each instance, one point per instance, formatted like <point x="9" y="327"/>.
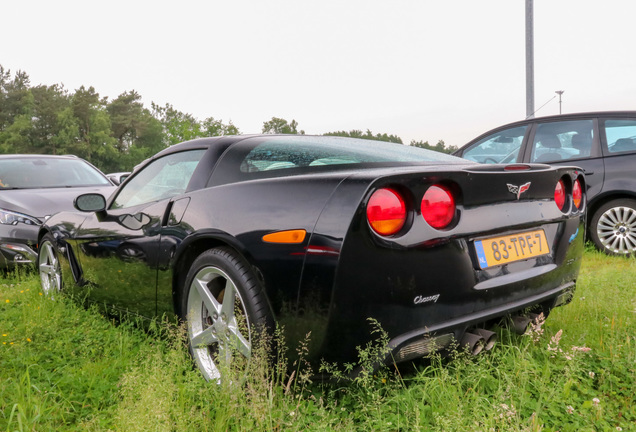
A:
<point x="189" y="252"/>
<point x="599" y="201"/>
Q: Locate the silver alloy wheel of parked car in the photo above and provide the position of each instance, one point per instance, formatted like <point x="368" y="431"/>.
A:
<point x="614" y="227"/>
<point x="218" y="324"/>
<point x="49" y="267"/>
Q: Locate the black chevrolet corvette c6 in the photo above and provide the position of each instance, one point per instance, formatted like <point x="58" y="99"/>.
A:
<point x="321" y="234"/>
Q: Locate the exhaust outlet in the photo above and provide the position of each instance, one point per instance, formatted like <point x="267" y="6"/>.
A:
<point x="490" y="337"/>
<point x="473" y="342"/>
<point x="520" y="324"/>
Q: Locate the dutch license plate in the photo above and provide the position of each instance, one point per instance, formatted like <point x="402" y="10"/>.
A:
<point x="515" y="247"/>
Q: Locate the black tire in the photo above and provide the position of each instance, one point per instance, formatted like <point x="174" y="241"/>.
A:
<point x="613" y="227"/>
<point x="49" y="266"/>
<point x="219" y="330"/>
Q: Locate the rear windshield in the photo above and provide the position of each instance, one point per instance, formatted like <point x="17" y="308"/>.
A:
<point x="298" y="154"/>
<point x="36" y="173"/>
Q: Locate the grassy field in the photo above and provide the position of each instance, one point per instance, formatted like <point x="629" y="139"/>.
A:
<point x="63" y="367"/>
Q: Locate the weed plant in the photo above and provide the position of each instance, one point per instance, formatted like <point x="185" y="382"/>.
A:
<point x="64" y="367"/>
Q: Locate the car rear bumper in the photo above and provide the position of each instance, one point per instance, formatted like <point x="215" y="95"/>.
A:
<point x="442" y="335"/>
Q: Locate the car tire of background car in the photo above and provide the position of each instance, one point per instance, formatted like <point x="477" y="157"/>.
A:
<point x="223" y="329"/>
<point x="613" y="227"/>
<point x="49" y="266"/>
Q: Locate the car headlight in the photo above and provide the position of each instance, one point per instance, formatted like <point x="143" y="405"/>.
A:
<point x="12" y="218"/>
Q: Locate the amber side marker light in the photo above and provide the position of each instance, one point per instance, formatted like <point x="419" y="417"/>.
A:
<point x="287" y="237"/>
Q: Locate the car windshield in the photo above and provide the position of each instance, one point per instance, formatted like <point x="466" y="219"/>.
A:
<point x="43" y="172"/>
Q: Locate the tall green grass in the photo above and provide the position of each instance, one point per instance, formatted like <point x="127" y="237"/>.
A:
<point x="63" y="367"/>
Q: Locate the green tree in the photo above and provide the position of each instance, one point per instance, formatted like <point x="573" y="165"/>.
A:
<point x="15" y="97"/>
<point x="5" y="113"/>
<point x="439" y="147"/>
<point x="47" y="120"/>
<point x="355" y="133"/>
<point x="137" y="132"/>
<point x="126" y="118"/>
<point x="68" y="133"/>
<point x="150" y="140"/>
<point x="177" y="126"/>
<point x="212" y="127"/>
<point x="16" y="107"/>
<point x="281" y="126"/>
<point x="15" y="137"/>
<point x="92" y="121"/>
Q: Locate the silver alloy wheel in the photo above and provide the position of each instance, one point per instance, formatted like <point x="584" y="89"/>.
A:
<point x="49" y="268"/>
<point x="616" y="229"/>
<point x="218" y="326"/>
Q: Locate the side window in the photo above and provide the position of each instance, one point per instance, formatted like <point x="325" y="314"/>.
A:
<point x="501" y="147"/>
<point x="161" y="179"/>
<point x="557" y="141"/>
<point x="620" y="135"/>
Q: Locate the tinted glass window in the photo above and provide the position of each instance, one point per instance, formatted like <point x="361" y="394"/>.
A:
<point x="278" y="153"/>
<point x="161" y="179"/>
<point x="501" y="147"/>
<point x="34" y="172"/>
<point x="556" y="141"/>
<point x="621" y="135"/>
<point x="277" y="156"/>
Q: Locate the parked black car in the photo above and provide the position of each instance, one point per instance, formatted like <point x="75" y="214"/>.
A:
<point x="320" y="234"/>
<point x="602" y="143"/>
<point x="32" y="188"/>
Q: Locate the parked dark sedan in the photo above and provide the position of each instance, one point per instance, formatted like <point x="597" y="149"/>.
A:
<point x="32" y="188"/>
<point x="320" y="234"/>
<point x="602" y="143"/>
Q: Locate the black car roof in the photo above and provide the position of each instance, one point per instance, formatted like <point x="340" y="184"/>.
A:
<point x="569" y="116"/>
<point x="39" y="156"/>
<point x="557" y="117"/>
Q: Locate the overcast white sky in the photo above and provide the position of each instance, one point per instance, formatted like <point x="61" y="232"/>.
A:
<point x="420" y="69"/>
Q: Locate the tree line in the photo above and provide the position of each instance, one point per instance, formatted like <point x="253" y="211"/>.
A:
<point x="114" y="135"/>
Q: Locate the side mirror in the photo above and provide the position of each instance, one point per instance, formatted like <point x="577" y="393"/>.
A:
<point x="90" y="202"/>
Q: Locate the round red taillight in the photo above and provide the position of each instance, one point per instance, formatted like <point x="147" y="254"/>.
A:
<point x="559" y="195"/>
<point x="386" y="212"/>
<point x="577" y="194"/>
<point x="438" y="206"/>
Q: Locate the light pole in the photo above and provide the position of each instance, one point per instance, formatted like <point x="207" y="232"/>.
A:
<point x="529" y="59"/>
<point x="559" y="92"/>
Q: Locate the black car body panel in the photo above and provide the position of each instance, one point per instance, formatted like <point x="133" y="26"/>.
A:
<point x="417" y="282"/>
